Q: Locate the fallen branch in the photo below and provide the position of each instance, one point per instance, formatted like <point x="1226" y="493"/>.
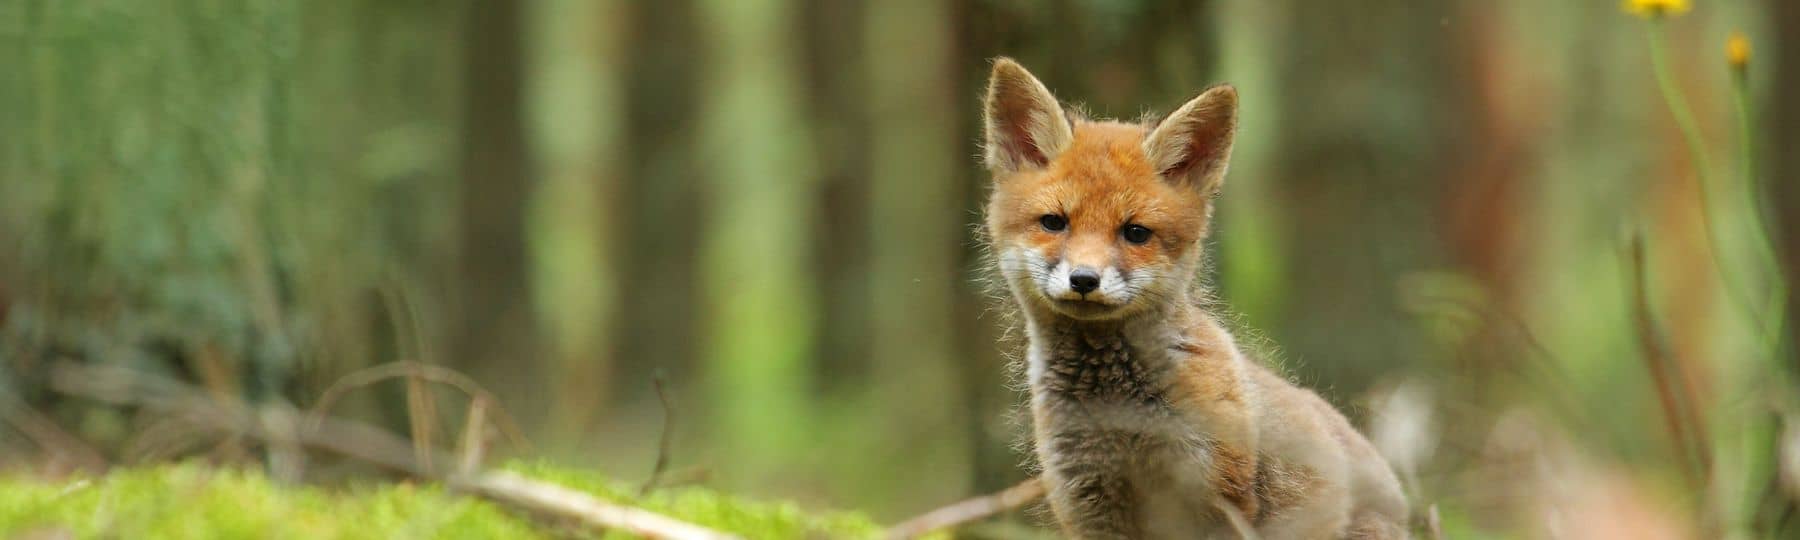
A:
<point x="969" y="510"/>
<point x="561" y="501"/>
<point x="362" y="442"/>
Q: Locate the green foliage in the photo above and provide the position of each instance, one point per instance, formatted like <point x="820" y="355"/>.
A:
<point x="196" y="501"/>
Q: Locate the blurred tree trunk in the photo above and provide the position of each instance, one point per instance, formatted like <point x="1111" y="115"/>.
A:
<point x="1114" y="61"/>
<point x="661" y="186"/>
<point x="839" y="112"/>
<point x="576" y="111"/>
<point x="761" y="296"/>
<point x="493" y="337"/>
<point x="915" y="225"/>
<point x="989" y="394"/>
<point x="1358" y="220"/>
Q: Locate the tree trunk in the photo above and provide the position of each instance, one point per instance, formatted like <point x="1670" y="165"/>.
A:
<point x="494" y="337"/>
<point x="915" y="224"/>
<point x="660" y="190"/>
<point x="576" y="116"/>
<point x="1354" y="231"/>
<point x="756" y="268"/>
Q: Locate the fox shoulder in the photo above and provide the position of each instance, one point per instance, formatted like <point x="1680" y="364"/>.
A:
<point x="1213" y="390"/>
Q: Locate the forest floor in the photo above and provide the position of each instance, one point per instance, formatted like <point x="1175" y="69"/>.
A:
<point x="194" y="500"/>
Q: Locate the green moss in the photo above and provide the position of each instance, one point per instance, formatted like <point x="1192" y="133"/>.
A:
<point x="196" y="501"/>
<point x="754" y="519"/>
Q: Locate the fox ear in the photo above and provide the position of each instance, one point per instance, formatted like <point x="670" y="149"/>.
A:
<point x="1025" y="125"/>
<point x="1193" y="145"/>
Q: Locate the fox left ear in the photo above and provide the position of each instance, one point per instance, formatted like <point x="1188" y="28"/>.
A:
<point x="1193" y="145"/>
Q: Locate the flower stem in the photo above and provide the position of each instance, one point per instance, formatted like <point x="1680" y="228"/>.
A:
<point x="1690" y="130"/>
<point x="1752" y="190"/>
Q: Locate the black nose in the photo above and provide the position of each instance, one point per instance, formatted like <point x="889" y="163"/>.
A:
<point x="1084" y="280"/>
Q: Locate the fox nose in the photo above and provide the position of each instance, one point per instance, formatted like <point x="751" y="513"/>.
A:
<point x="1084" y="280"/>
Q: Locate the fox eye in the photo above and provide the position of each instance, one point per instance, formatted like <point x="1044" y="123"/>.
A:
<point x="1136" y="234"/>
<point x="1053" y="222"/>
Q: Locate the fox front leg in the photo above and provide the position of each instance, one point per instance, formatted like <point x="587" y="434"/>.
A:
<point x="1094" y="506"/>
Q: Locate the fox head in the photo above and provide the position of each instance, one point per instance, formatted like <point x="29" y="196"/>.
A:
<point x="1097" y="220"/>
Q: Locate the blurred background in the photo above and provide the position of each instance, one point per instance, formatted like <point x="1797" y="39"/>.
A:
<point x="1433" y="217"/>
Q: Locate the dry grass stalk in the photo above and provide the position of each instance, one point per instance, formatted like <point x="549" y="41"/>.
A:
<point x="421" y="371"/>
<point x="1684" y="424"/>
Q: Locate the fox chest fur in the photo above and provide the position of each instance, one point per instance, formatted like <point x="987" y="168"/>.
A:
<point x="1106" y="429"/>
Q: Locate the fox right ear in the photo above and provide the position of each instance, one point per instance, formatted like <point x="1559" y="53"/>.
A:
<point x="1192" y="146"/>
<point x="1025" y="126"/>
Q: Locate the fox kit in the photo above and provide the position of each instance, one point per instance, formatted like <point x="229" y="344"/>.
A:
<point x="1149" y="421"/>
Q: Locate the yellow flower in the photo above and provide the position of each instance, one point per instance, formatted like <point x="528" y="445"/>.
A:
<point x="1737" y="50"/>
<point x="1656" y="8"/>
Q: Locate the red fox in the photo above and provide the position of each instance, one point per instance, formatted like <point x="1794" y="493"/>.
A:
<point x="1148" y="420"/>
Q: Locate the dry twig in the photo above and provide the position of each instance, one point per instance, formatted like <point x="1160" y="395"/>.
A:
<point x="662" y="445"/>
<point x="969" y="510"/>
